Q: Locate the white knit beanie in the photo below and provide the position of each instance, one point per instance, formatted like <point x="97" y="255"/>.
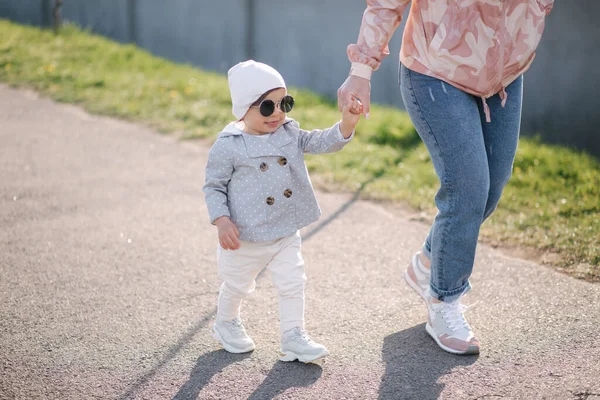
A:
<point x="248" y="81"/>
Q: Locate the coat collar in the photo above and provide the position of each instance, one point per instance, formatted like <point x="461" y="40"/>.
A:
<point x="259" y="147"/>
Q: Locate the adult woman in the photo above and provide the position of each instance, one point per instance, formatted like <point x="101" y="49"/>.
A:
<point x="461" y="81"/>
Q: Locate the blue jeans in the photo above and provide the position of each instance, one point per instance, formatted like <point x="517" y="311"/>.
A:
<point x="473" y="160"/>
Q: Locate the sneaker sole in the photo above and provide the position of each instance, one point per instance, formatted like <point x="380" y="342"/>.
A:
<point x="470" y="350"/>
<point x="289" y="356"/>
<point x="414" y="285"/>
<point x="228" y="347"/>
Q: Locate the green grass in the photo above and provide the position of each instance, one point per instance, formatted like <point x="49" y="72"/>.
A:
<point x="551" y="205"/>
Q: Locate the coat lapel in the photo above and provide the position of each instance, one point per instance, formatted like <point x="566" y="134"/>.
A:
<point x="273" y="146"/>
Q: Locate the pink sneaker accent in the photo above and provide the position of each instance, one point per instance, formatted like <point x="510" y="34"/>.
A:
<point x="447" y="325"/>
<point x="417" y="276"/>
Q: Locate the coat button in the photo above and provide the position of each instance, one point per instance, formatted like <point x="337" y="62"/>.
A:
<point x="282" y="161"/>
<point x="287" y="193"/>
<point x="270" y="200"/>
<point x="264" y="167"/>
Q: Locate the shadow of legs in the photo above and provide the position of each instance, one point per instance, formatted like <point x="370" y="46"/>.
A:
<point x="206" y="367"/>
<point x="285" y="375"/>
<point x="414" y="363"/>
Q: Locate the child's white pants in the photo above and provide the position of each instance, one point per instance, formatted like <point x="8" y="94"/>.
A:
<point x="239" y="268"/>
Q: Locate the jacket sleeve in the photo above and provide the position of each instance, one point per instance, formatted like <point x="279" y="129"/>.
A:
<point x="380" y="21"/>
<point x="322" y="141"/>
<point x="219" y="169"/>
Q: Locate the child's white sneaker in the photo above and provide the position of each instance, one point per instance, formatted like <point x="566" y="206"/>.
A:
<point x="233" y="336"/>
<point x="296" y="345"/>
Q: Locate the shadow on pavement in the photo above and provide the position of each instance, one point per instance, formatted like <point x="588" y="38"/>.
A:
<point x="414" y="363"/>
<point x="336" y="214"/>
<point x="285" y="375"/>
<point x="185" y="339"/>
<point x="206" y="367"/>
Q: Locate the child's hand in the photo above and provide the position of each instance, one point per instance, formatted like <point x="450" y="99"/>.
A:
<point x="350" y="116"/>
<point x="228" y="234"/>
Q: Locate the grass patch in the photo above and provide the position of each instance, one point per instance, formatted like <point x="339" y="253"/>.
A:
<point x="552" y="203"/>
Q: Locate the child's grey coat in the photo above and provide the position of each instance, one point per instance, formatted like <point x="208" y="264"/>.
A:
<point x="263" y="184"/>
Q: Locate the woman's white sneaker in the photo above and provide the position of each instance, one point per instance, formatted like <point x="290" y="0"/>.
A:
<point x="296" y="345"/>
<point x="447" y="325"/>
<point x="233" y="336"/>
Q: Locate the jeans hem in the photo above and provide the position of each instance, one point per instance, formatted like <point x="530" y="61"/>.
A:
<point x="448" y="296"/>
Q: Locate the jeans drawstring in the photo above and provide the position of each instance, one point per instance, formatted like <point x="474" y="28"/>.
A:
<point x="486" y="108"/>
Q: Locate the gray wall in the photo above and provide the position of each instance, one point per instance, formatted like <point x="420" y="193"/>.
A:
<point x="306" y="40"/>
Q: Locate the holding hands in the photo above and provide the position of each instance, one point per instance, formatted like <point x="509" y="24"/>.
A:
<point x="350" y="116"/>
<point x="355" y="87"/>
<point x="353" y="99"/>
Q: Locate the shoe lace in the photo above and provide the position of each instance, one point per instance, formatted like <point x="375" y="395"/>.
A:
<point x="453" y="314"/>
<point x="236" y="328"/>
<point x="301" y="335"/>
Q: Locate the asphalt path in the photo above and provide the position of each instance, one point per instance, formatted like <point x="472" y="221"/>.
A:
<point x="108" y="286"/>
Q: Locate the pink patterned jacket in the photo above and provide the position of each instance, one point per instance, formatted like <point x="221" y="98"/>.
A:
<point x="478" y="46"/>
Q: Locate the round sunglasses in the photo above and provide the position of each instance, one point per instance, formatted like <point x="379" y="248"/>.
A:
<point x="267" y="107"/>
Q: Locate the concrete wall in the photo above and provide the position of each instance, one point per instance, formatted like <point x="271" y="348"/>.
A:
<point x="306" y="40"/>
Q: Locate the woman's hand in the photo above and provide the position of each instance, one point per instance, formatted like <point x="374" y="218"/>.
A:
<point x="355" y="87"/>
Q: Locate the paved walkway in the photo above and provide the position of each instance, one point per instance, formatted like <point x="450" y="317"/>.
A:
<point x="108" y="286"/>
